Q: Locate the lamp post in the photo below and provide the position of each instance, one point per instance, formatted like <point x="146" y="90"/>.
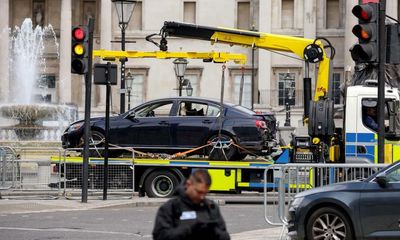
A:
<point x="129" y="82"/>
<point x="180" y="69"/>
<point x="124" y="10"/>
<point x="288" y="97"/>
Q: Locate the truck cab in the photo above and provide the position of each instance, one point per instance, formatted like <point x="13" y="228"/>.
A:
<point x="361" y="138"/>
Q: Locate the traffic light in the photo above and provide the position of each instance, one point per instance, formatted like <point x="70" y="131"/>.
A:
<point x="367" y="48"/>
<point x="80" y="50"/>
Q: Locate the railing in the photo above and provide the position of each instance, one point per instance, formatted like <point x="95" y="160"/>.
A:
<point x="28" y="172"/>
<point x="120" y="175"/>
<point x="284" y="181"/>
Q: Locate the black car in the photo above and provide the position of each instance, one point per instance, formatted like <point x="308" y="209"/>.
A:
<point x="366" y="209"/>
<point x="172" y="125"/>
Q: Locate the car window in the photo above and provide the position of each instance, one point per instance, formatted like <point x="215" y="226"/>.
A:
<point x="370" y="113"/>
<point x="188" y="108"/>
<point x="213" y="111"/>
<point x="160" y="109"/>
<point x="393" y="175"/>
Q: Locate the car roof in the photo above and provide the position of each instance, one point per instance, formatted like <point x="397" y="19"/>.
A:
<point x="211" y="100"/>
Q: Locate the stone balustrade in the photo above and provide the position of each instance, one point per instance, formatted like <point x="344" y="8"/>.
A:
<point x="43" y="134"/>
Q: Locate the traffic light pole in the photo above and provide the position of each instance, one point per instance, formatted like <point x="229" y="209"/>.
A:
<point x="107" y="133"/>
<point x="381" y="81"/>
<point x="88" y="93"/>
<point x="122" y="100"/>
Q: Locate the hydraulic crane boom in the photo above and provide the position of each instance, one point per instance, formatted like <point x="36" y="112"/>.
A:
<point x="310" y="50"/>
<point x="217" y="57"/>
<point x="318" y="113"/>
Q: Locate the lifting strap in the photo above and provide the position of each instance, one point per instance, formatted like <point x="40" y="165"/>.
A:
<point x="219" y="143"/>
<point x="221" y="107"/>
<point x="241" y="87"/>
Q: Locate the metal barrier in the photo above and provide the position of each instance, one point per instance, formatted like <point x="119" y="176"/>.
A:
<point x="284" y="181"/>
<point x="120" y="174"/>
<point x="29" y="172"/>
<point x="26" y="171"/>
<point x="8" y="168"/>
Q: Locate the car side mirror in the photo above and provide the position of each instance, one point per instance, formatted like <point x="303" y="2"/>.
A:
<point x="381" y="179"/>
<point x="131" y="115"/>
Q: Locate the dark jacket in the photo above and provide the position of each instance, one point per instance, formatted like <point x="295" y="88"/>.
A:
<point x="180" y="219"/>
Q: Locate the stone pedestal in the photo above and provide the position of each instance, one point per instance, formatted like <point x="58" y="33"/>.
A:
<point x="285" y="134"/>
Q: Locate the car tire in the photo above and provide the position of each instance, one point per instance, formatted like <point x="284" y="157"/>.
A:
<point x="161" y="184"/>
<point x="219" y="153"/>
<point x="329" y="222"/>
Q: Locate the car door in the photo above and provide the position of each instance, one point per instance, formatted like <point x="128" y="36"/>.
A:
<point x="193" y="123"/>
<point x="147" y="127"/>
<point x="379" y="207"/>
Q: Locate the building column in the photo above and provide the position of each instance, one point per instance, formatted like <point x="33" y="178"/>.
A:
<point x="349" y="38"/>
<point x="65" y="76"/>
<point x="4" y="50"/>
<point x="310" y="30"/>
<point x="391" y="8"/>
<point x="105" y="40"/>
<point x="264" y="57"/>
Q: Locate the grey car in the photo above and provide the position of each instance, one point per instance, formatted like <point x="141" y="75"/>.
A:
<point x="366" y="209"/>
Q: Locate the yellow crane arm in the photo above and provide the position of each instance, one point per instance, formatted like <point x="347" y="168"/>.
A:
<point x="217" y="57"/>
<point x="309" y="50"/>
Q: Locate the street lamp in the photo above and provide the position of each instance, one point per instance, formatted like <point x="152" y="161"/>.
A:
<point x="124" y="10"/>
<point x="289" y="91"/>
<point x="129" y="82"/>
<point x="180" y="69"/>
<point x="189" y="89"/>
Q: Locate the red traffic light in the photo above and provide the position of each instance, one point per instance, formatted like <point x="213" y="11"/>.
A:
<point x="79" y="49"/>
<point x="363" y="12"/>
<point x="78" y="33"/>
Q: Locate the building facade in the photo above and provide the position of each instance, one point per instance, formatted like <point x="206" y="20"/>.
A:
<point x="277" y="78"/>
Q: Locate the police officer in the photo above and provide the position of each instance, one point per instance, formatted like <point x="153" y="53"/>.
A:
<point x="190" y="215"/>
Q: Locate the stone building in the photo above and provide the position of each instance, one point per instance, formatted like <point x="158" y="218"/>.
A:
<point x="275" y="75"/>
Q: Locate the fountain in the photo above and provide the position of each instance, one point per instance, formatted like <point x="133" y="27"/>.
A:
<point x="27" y="63"/>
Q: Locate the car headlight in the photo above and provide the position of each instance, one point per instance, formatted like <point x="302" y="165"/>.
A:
<point x="296" y="202"/>
<point x="75" y="126"/>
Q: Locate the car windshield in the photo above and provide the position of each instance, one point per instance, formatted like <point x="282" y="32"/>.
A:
<point x="382" y="170"/>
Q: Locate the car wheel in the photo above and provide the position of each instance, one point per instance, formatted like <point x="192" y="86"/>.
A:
<point x="161" y="184"/>
<point x="218" y="153"/>
<point x="329" y="223"/>
<point x="96" y="141"/>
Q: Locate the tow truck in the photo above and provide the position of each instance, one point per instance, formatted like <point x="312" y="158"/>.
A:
<point x="158" y="176"/>
<point x="354" y="143"/>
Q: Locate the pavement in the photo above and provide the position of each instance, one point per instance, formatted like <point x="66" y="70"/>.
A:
<point x="21" y="206"/>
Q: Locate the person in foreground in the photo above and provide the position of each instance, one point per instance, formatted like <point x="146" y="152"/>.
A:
<point x="189" y="215"/>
